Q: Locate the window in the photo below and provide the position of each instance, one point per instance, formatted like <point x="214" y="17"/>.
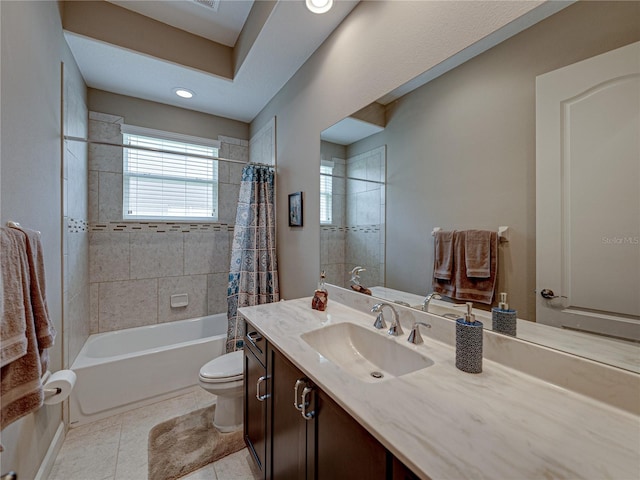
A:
<point x="169" y="176"/>
<point x="326" y="191"/>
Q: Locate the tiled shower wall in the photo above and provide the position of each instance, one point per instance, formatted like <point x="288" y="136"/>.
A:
<point x="357" y="234"/>
<point x="75" y="220"/>
<point x="135" y="267"/>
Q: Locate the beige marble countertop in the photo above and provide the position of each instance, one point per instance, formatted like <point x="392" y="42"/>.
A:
<point x="447" y="424"/>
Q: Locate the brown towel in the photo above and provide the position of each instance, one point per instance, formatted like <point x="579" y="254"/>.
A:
<point x="45" y="331"/>
<point x="13" y="325"/>
<point x="443" y="255"/>
<point x="477" y="249"/>
<point x="468" y="288"/>
<point x="20" y="385"/>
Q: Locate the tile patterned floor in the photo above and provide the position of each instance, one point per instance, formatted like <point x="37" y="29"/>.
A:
<point x="116" y="448"/>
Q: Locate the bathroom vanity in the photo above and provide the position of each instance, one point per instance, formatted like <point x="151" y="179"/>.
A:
<point x="313" y="409"/>
<point x="295" y="430"/>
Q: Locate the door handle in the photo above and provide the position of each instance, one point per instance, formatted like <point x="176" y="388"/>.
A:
<point x="298" y="406"/>
<point x="549" y="295"/>
<point x="261" y="398"/>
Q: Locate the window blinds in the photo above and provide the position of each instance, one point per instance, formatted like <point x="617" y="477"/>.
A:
<point x="172" y="183"/>
<point x="326" y="192"/>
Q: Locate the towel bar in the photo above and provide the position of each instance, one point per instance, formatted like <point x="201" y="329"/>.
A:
<point x="503" y="233"/>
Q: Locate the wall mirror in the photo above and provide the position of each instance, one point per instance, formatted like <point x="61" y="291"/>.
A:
<point x="459" y="152"/>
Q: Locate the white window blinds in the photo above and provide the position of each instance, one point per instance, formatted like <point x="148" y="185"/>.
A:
<point x="169" y="176"/>
<point x="326" y="192"/>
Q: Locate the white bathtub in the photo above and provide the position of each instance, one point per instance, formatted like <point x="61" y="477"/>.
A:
<point x="126" y="369"/>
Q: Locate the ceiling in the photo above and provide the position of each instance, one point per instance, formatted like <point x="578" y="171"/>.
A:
<point x="288" y="37"/>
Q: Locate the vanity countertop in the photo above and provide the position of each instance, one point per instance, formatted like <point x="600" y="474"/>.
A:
<point x="447" y="424"/>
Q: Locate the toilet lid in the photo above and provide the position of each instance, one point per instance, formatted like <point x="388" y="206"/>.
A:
<point x="224" y="368"/>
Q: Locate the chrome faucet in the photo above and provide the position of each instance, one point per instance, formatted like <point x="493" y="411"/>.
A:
<point x="427" y="300"/>
<point x="415" y="337"/>
<point x="395" y="329"/>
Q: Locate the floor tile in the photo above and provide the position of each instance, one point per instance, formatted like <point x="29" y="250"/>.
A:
<point x="92" y="456"/>
<point x="116" y="448"/>
<point x="237" y="466"/>
<point x="205" y="473"/>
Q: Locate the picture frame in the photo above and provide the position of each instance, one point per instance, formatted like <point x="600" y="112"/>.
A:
<point x="295" y="209"/>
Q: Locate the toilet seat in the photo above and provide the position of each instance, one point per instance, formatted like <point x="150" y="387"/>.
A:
<point x="223" y="369"/>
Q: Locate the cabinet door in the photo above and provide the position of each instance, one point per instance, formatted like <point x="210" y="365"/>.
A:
<point x="255" y="411"/>
<point x="287" y="426"/>
<point x="401" y="472"/>
<point x="339" y="447"/>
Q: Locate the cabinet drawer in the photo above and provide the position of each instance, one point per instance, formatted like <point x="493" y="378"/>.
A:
<point x="256" y="343"/>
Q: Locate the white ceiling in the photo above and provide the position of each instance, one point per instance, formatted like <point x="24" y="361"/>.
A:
<point x="288" y="38"/>
<point x="349" y="130"/>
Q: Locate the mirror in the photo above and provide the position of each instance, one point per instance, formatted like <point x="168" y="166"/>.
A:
<point x="460" y="153"/>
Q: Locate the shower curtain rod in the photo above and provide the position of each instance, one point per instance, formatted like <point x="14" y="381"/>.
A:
<point x="352" y="178"/>
<point x="159" y="150"/>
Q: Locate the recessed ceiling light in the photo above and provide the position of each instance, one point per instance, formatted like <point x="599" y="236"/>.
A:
<point x="319" y="6"/>
<point x="183" y="92"/>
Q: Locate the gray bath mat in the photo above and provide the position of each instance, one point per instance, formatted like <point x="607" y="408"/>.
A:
<point x="184" y="444"/>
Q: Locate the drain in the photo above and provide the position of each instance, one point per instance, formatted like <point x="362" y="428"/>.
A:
<point x="377" y="374"/>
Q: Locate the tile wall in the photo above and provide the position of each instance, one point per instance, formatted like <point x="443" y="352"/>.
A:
<point x="357" y="235"/>
<point x="75" y="211"/>
<point x="135" y="267"/>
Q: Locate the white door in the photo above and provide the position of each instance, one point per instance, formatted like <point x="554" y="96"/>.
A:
<point x="588" y="195"/>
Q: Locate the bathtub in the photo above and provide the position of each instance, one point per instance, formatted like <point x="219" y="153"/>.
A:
<point x="126" y="369"/>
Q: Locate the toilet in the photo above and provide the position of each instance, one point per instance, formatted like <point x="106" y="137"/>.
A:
<point x="223" y="376"/>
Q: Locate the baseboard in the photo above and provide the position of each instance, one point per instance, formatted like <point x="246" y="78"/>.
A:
<point x="49" y="459"/>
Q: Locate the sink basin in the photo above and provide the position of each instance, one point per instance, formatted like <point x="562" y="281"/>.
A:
<point x="363" y="353"/>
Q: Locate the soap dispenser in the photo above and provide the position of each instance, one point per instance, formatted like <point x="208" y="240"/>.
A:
<point x="469" y="342"/>
<point x="321" y="295"/>
<point x="503" y="319"/>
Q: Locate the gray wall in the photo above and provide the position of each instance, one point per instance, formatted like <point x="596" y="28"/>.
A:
<point x="475" y="127"/>
<point x="30" y="182"/>
<point x="461" y="149"/>
<point x="378" y="47"/>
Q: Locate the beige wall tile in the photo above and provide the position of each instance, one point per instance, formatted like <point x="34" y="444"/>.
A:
<point x="108" y="256"/>
<point x="156" y="255"/>
<point x="206" y="252"/>
<point x="195" y="286"/>
<point x="93" y="308"/>
<point x="77" y="322"/>
<point x="109" y="197"/>
<point x="127" y="304"/>
<point x="105" y="131"/>
<point x="94" y="204"/>
<point x="105" y="158"/>
<point x="217" y="284"/>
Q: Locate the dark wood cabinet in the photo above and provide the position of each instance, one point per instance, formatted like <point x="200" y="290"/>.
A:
<point x="339" y="447"/>
<point x="255" y="407"/>
<point x="296" y="431"/>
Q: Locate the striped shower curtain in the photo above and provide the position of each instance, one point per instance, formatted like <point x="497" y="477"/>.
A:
<point x="253" y="276"/>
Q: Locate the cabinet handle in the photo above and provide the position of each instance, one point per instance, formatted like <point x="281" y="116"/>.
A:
<point x="254" y="337"/>
<point x="298" y="406"/>
<point x="261" y="398"/>
<point x="305" y="403"/>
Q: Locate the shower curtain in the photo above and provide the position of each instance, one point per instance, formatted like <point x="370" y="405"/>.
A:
<point x="253" y="275"/>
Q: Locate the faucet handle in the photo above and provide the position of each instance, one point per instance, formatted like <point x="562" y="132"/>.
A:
<point x="380" y="323"/>
<point x="415" y="337"/>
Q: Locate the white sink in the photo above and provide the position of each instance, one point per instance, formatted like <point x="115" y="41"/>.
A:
<point x="365" y="354"/>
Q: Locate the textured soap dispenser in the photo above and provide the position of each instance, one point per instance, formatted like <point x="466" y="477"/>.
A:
<point x="469" y="342"/>
<point x="504" y="319"/>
